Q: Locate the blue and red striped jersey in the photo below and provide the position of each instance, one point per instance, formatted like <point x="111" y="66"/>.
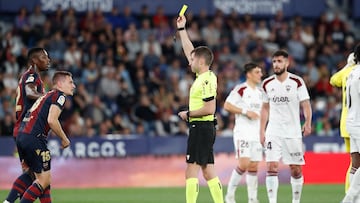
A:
<point x="35" y="121"/>
<point x="23" y="103"/>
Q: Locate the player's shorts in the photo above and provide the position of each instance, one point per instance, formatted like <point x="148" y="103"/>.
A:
<point x="33" y="150"/>
<point x="354" y="143"/>
<point x="248" y="149"/>
<point x="200" y="142"/>
<point x="290" y="150"/>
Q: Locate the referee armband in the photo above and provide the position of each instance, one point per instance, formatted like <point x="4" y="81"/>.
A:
<point x="208" y="99"/>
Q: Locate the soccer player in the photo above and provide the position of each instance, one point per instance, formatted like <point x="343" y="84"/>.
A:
<point x="280" y="128"/>
<point x="29" y="89"/>
<point x="339" y="80"/>
<point x="202" y="105"/>
<point x="245" y="102"/>
<point x="352" y="126"/>
<point x="32" y="138"/>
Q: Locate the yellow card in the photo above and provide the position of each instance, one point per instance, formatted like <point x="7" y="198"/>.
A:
<point x="183" y="9"/>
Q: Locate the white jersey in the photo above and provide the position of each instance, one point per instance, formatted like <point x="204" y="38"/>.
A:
<point x="284" y="105"/>
<point x="244" y="96"/>
<point x="353" y="101"/>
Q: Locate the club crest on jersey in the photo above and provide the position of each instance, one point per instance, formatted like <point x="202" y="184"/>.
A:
<point x="288" y="87"/>
<point x="61" y="100"/>
<point x="31" y="78"/>
<point x="38" y="151"/>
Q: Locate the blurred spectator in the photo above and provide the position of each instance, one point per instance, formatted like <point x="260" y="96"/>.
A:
<point x="11" y="43"/>
<point x="11" y="65"/>
<point x="7" y="125"/>
<point x="22" y="25"/>
<point x="22" y="59"/>
<point x="144" y="15"/>
<point x="145" y="30"/>
<point x="72" y="59"/>
<point x="109" y="89"/>
<point x="96" y="111"/>
<point x="307" y="35"/>
<point x="128" y="18"/>
<point x="69" y="17"/>
<point x="211" y="35"/>
<point x="122" y="125"/>
<point x="90" y="77"/>
<point x="296" y="48"/>
<point x="92" y="54"/>
<point x="159" y="18"/>
<point x="262" y="31"/>
<point x="113" y="18"/>
<point x="77" y="125"/>
<point x="145" y="113"/>
<point x="56" y="47"/>
<point x="37" y="18"/>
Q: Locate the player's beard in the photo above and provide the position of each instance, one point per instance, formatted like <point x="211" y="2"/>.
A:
<point x="280" y="72"/>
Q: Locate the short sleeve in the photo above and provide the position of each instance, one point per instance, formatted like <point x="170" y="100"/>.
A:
<point x="264" y="95"/>
<point x="209" y="86"/>
<point x="30" y="78"/>
<point x="60" y="101"/>
<point x="303" y="93"/>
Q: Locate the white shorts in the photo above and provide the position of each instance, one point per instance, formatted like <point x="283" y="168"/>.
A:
<point x="354" y="144"/>
<point x="249" y="149"/>
<point x="289" y="149"/>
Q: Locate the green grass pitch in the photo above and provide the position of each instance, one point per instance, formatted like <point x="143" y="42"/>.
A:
<point x="311" y="194"/>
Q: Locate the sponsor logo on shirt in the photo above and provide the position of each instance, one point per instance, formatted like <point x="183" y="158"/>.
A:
<point x="280" y="99"/>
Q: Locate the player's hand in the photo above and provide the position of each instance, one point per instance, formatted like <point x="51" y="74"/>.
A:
<point x="183" y="115"/>
<point x="181" y="21"/>
<point x="262" y="138"/>
<point x="252" y="115"/>
<point x="351" y="59"/>
<point x="306" y="129"/>
<point x="65" y="143"/>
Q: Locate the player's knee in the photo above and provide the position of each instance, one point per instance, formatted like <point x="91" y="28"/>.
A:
<point x="296" y="171"/>
<point x="31" y="174"/>
<point x="252" y="167"/>
<point x="272" y="166"/>
<point x="353" y="170"/>
<point x="44" y="179"/>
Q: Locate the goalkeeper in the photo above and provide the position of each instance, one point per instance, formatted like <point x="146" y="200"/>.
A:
<point x="339" y="80"/>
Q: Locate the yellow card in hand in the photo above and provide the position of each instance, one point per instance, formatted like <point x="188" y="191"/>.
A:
<point x="183" y="9"/>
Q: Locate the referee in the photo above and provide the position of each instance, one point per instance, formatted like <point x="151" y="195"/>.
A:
<point x="202" y="105"/>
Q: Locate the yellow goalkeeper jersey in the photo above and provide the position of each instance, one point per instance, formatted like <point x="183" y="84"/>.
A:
<point x="339" y="80"/>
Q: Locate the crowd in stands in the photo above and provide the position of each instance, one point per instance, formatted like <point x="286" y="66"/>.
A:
<point x="132" y="77"/>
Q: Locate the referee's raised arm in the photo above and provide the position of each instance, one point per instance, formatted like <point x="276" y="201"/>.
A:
<point x="185" y="41"/>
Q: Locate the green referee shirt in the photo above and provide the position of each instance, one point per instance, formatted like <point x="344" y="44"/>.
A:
<point x="203" y="89"/>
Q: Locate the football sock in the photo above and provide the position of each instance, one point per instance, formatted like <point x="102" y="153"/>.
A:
<point x="216" y="190"/>
<point x="252" y="185"/>
<point x="235" y="178"/>
<point x="296" y="186"/>
<point x="46" y="197"/>
<point x="272" y="185"/>
<point x="192" y="190"/>
<point x="32" y="193"/>
<point x="348" y="177"/>
<point x="354" y="188"/>
<point x="351" y="174"/>
<point x="19" y="186"/>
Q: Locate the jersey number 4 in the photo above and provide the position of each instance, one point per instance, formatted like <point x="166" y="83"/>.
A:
<point x="268" y="146"/>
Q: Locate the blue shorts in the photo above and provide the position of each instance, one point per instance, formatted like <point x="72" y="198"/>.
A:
<point x="33" y="150"/>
